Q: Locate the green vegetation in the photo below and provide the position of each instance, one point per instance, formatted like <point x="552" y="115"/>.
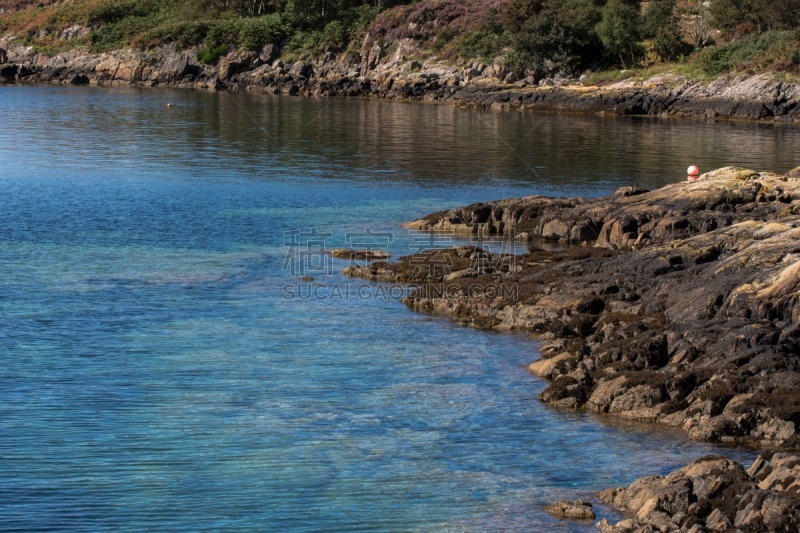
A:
<point x="660" y="24"/>
<point x="210" y="55"/>
<point x="535" y="36"/>
<point x="619" y="29"/>
<point x="306" y="26"/>
<point x="489" y="40"/>
<point x="558" y="35"/>
<point x="775" y="50"/>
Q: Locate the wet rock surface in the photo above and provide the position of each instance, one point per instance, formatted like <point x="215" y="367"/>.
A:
<point x="571" y="510"/>
<point x="683" y="310"/>
<point x="361" y="255"/>
<point x="712" y="494"/>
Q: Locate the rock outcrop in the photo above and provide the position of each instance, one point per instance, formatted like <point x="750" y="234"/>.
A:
<point x="682" y="307"/>
<point x="571" y="510"/>
<point x="630" y="217"/>
<point x="712" y="494"/>
<point x="359" y="255"/>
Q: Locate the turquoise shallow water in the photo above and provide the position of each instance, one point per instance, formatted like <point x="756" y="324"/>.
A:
<point x="162" y="369"/>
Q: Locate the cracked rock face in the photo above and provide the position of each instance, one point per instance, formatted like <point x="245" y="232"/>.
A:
<point x="712" y="494"/>
<point x="683" y="310"/>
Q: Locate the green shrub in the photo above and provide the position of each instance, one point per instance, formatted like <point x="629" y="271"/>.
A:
<point x="484" y="43"/>
<point x="184" y="34"/>
<point x="120" y="33"/>
<point x="715" y="59"/>
<point x="119" y="22"/>
<point x="253" y="33"/>
<point x="754" y="51"/>
<point x="443" y="37"/>
<point x="304" y="42"/>
<point x="210" y="55"/>
<point x="110" y="12"/>
<point x="560" y="36"/>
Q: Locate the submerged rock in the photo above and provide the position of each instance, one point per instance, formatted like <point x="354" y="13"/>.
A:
<point x="359" y="255"/>
<point x="571" y="510"/>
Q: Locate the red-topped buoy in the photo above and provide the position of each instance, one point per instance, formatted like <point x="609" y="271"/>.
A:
<point x="693" y="173"/>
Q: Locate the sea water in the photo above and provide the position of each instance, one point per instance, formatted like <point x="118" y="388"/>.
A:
<point x="178" y="352"/>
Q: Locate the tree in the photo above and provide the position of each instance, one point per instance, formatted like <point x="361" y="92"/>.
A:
<point x="559" y="37"/>
<point x="698" y="22"/>
<point x="619" y="28"/>
<point x="733" y="16"/>
<point x="780" y="14"/>
<point x="661" y="25"/>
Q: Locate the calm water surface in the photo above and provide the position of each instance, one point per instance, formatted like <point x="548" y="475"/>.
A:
<point x="162" y="369"/>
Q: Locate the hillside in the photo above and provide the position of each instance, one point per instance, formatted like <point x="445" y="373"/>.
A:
<point x="623" y="57"/>
<point x="539" y="37"/>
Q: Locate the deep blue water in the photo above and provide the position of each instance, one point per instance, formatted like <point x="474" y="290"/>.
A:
<point x="164" y="368"/>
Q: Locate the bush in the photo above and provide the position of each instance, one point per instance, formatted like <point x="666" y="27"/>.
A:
<point x="107" y="13"/>
<point x="210" y="55"/>
<point x="484" y="43"/>
<point x="121" y="32"/>
<point x="119" y="22"/>
<point x="184" y="34"/>
<point x="253" y="33"/>
<point x="349" y="27"/>
<point x="559" y="37"/>
<point x="773" y="48"/>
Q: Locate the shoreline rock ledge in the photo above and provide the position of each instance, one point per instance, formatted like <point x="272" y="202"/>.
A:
<point x="681" y="306"/>
<point x="712" y="494"/>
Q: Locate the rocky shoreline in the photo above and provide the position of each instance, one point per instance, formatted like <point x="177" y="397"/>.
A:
<point x="388" y="70"/>
<point x="712" y="494"/>
<point x="679" y="306"/>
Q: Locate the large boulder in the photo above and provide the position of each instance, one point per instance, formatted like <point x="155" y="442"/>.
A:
<point x="714" y="494"/>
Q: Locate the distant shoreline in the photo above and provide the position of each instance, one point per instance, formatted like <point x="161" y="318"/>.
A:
<point x="748" y="97"/>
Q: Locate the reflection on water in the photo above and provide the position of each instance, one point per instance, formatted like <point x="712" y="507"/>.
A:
<point x="266" y="137"/>
<point x="155" y="375"/>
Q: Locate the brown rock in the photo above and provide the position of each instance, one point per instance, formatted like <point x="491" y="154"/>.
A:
<point x="572" y="510"/>
<point x="361" y="255"/>
<point x="713" y="494"/>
